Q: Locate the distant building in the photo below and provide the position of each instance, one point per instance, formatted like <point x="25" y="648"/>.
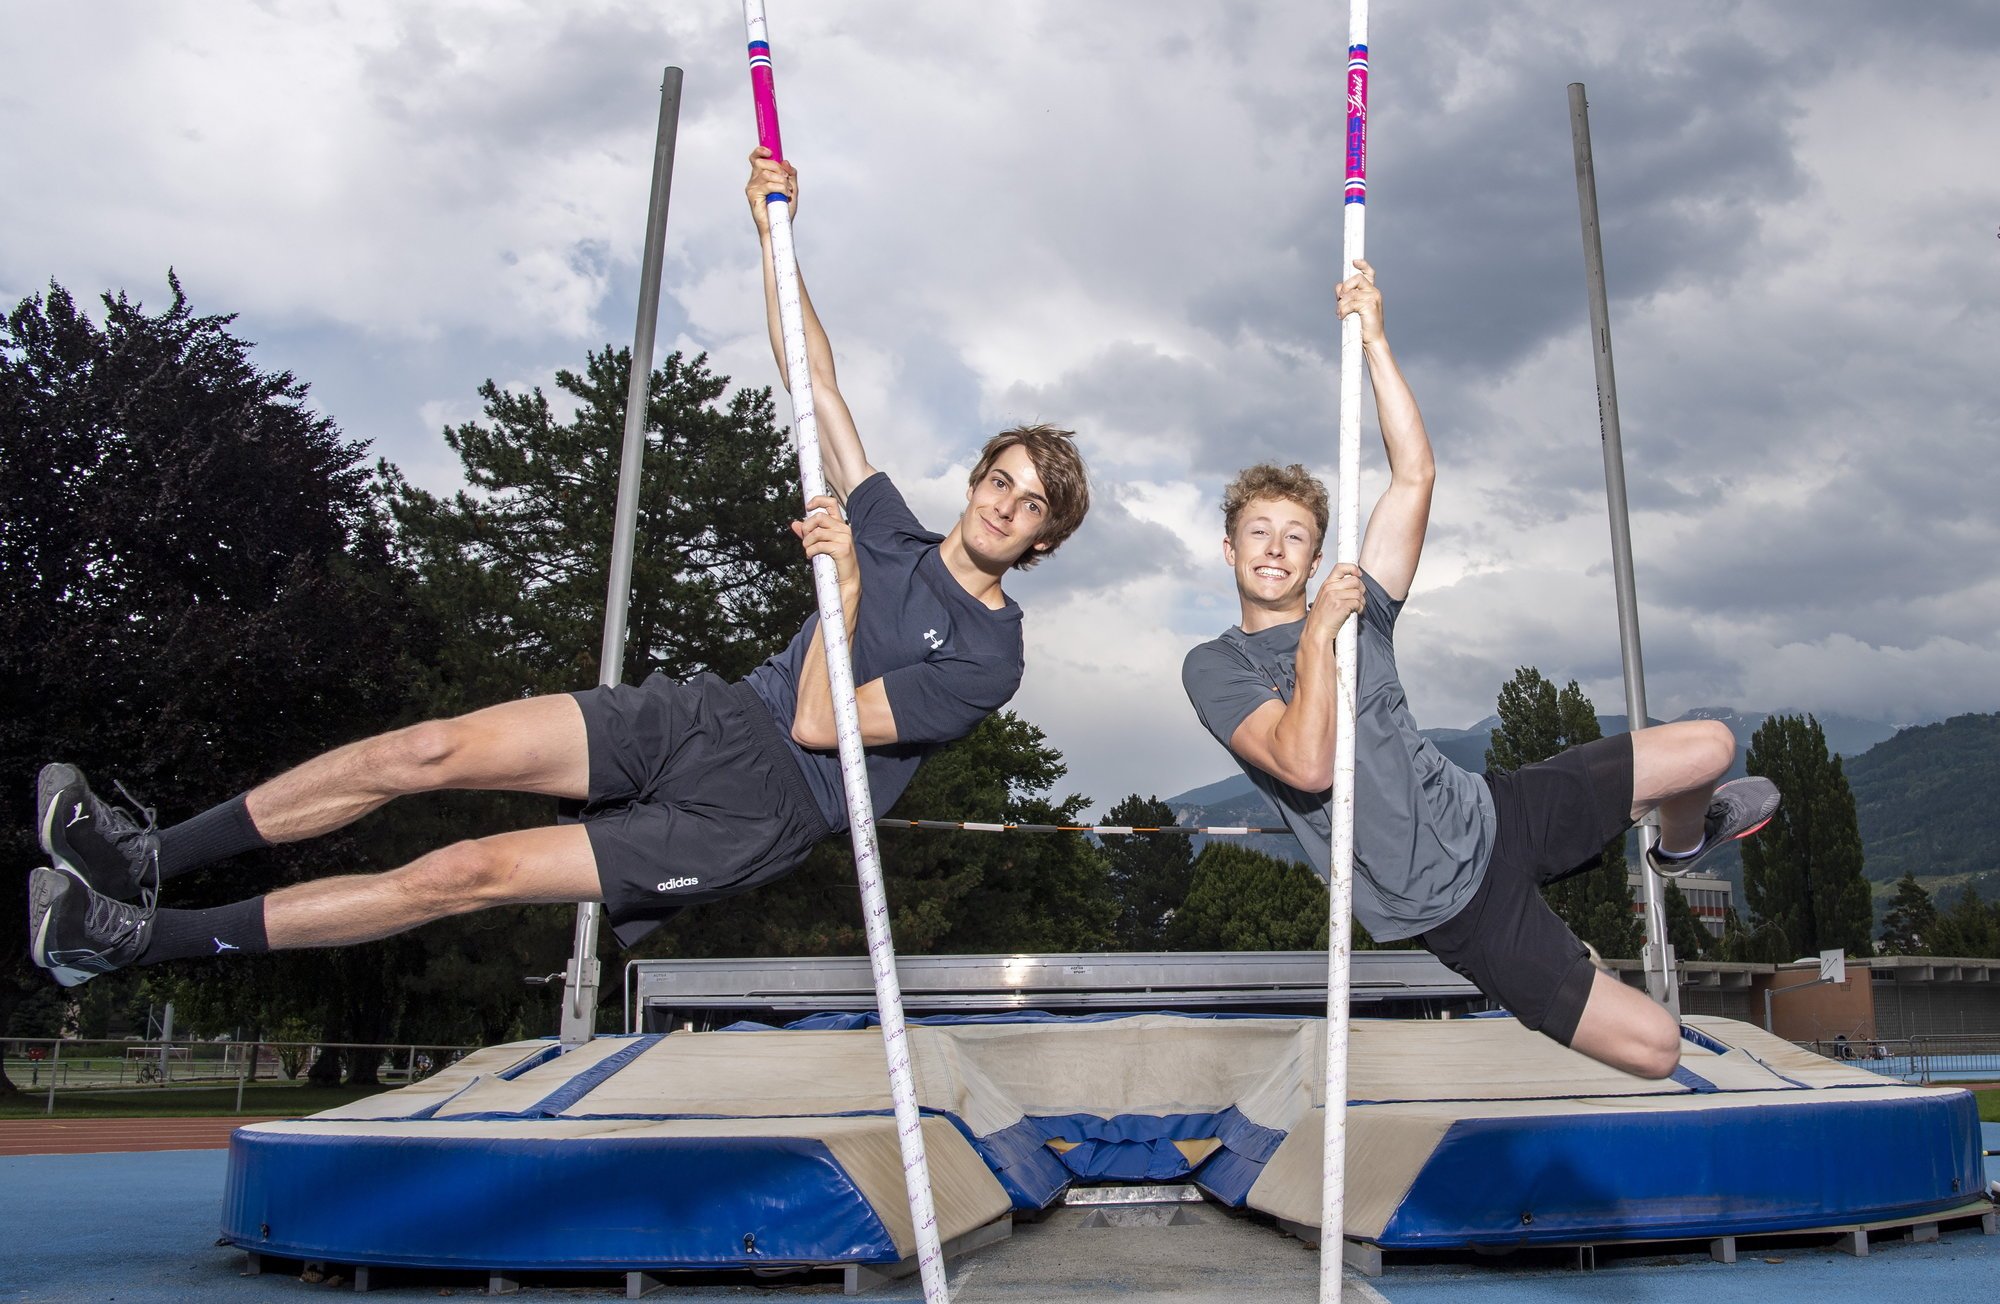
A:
<point x="1707" y="895"/>
<point x="1906" y="1001"/>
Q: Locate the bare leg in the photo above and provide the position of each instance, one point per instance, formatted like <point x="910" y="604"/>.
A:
<point x="537" y="744"/>
<point x="1627" y="1029"/>
<point x="526" y="867"/>
<point x="1675" y="767"/>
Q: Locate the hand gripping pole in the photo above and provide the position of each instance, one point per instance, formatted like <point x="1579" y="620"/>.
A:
<point x="840" y="675"/>
<point x="1340" y="881"/>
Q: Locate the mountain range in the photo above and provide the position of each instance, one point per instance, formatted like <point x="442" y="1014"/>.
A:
<point x="1923" y="795"/>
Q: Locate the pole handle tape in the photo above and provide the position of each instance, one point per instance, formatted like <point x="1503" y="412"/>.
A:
<point x="1357" y="126"/>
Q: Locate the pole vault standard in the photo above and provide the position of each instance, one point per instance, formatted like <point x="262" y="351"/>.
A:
<point x="1340" y="879"/>
<point x="579" y="1018"/>
<point x="840" y="676"/>
<point x="1662" y="978"/>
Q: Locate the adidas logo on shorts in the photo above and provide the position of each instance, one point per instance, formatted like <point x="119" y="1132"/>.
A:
<point x="673" y="883"/>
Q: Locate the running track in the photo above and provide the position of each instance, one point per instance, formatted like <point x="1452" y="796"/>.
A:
<point x="95" y="1136"/>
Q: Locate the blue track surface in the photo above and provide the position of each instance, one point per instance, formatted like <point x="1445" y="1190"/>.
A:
<point x="141" y="1228"/>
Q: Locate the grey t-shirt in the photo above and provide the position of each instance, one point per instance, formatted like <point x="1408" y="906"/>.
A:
<point x="945" y="659"/>
<point x="1423" y="827"/>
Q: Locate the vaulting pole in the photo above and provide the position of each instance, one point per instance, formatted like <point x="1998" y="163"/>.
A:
<point x="840" y="674"/>
<point x="1662" y="972"/>
<point x="579" y="1017"/>
<point x="1340" y="881"/>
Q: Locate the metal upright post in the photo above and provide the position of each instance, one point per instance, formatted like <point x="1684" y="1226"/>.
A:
<point x="580" y="980"/>
<point x="1662" y="972"/>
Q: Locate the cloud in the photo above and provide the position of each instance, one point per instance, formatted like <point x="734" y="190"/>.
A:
<point x="1124" y="217"/>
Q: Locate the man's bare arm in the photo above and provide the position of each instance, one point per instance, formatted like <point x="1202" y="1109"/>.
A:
<point x="824" y="534"/>
<point x="1294" y="742"/>
<point x="1395" y="539"/>
<point x="845" y="460"/>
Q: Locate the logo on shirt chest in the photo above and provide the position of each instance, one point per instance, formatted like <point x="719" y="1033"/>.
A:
<point x="933" y="639"/>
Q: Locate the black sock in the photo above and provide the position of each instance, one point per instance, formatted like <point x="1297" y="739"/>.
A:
<point x="216" y="834"/>
<point x="186" y="934"/>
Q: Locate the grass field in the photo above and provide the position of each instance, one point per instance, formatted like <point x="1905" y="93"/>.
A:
<point x="284" y="1099"/>
<point x="1989" y="1105"/>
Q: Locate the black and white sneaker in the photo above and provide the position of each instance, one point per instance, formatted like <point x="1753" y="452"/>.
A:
<point x="100" y="843"/>
<point x="1738" y="809"/>
<point x="76" y="933"/>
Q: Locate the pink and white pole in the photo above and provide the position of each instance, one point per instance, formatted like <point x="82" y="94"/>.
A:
<point x="1347" y="548"/>
<point x="840" y="674"/>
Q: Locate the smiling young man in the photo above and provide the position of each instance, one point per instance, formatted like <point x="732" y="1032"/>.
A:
<point x="683" y="792"/>
<point x="1454" y="858"/>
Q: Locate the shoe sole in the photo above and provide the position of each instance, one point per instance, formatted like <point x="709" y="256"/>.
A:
<point x="46" y="895"/>
<point x="1679" y="871"/>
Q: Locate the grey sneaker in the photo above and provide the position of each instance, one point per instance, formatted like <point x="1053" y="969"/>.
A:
<point x="1738" y="809"/>
<point x="76" y="933"/>
<point x="101" y="843"/>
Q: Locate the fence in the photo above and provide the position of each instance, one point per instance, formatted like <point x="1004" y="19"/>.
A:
<point x="1965" y="1057"/>
<point x="51" y="1065"/>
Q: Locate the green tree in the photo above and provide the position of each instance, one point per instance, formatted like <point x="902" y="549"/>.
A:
<point x="1244" y="900"/>
<point x="1536" y="723"/>
<point x="1743" y="943"/>
<point x="1803" y="871"/>
<point x="195" y="591"/>
<point x="1685" y="932"/>
<point x="1968" y="927"/>
<point x="1150" y="873"/>
<point x="517" y="564"/>
<point x="1912" y="919"/>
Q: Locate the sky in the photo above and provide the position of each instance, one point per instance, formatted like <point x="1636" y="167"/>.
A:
<point x="1124" y="216"/>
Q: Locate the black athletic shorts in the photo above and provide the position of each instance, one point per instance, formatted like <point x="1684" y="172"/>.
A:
<point x="693" y="797"/>
<point x="1551" y="819"/>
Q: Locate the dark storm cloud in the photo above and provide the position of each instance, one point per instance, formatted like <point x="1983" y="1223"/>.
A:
<point x="1473" y="193"/>
<point x="476" y="81"/>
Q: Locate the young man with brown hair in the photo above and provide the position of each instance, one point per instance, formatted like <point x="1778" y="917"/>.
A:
<point x="1441" y="854"/>
<point x="684" y="792"/>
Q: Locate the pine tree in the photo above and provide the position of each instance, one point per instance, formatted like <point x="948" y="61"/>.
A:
<point x="1244" y="900"/>
<point x="1968" y="927"/>
<point x="1802" y="873"/>
<point x="1685" y="932"/>
<point x="518" y="563"/>
<point x="1537" y="722"/>
<point x="1150" y="873"/>
<point x="1911" y="922"/>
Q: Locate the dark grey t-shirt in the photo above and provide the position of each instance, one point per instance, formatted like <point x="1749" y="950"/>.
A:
<point x="945" y="659"/>
<point x="1423" y="827"/>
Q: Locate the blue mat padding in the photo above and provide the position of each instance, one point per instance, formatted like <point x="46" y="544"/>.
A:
<point x="1127" y="1147"/>
<point x="1124" y="1148"/>
<point x="1648" y="1176"/>
<point x="1030" y="1173"/>
<point x="543" y="1203"/>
